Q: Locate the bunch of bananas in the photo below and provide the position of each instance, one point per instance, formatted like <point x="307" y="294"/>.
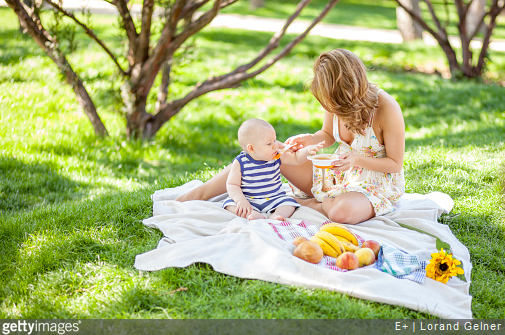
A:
<point x="335" y="239"/>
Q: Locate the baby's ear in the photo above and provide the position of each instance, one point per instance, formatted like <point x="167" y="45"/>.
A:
<point x="250" y="147"/>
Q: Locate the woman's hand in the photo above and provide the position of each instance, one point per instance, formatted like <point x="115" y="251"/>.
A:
<point x="299" y="141"/>
<point x="345" y="162"/>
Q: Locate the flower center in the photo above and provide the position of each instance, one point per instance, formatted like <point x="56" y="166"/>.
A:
<point x="444" y="267"/>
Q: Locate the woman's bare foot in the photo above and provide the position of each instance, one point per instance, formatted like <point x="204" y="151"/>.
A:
<point x="306" y="201"/>
<point x="312" y="203"/>
<point x="194" y="194"/>
<point x="255" y="216"/>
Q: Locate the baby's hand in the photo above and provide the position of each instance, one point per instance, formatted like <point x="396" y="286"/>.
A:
<point x="244" y="208"/>
<point x="313" y="149"/>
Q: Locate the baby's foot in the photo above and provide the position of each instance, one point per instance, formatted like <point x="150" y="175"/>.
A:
<point x="278" y="217"/>
<point x="255" y="216"/>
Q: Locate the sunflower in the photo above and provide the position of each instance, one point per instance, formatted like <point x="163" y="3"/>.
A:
<point x="442" y="267"/>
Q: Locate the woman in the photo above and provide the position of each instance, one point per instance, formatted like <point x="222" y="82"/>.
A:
<point x="367" y="123"/>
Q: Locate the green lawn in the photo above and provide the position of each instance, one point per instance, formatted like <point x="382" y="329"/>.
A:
<point x="71" y="204"/>
<point x="377" y="14"/>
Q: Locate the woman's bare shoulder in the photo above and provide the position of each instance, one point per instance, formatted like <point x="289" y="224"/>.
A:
<point x="388" y="109"/>
<point x="386" y="101"/>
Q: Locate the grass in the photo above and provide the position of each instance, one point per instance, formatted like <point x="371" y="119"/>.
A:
<point x="71" y="204"/>
<point x="360" y="13"/>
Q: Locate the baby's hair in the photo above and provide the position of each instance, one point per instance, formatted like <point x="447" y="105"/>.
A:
<point x="341" y="86"/>
<point x="250" y="130"/>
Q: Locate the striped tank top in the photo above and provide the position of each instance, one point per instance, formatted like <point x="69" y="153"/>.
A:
<point x="260" y="179"/>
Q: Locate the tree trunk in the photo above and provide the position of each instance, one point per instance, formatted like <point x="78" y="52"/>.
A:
<point x="147" y="56"/>
<point x="466" y="68"/>
<point x="409" y="28"/>
<point x="476" y="10"/>
<point x="257" y="3"/>
<point x="135" y="110"/>
<point x="46" y="42"/>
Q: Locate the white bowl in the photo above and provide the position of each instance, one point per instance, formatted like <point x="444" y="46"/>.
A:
<point x="323" y="161"/>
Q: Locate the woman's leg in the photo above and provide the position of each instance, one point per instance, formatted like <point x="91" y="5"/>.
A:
<point x="348" y="208"/>
<point x="299" y="175"/>
<point x="211" y="188"/>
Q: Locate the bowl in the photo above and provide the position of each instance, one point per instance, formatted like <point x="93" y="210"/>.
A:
<point x="323" y="161"/>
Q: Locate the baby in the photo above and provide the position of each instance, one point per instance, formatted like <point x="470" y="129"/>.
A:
<point x="254" y="183"/>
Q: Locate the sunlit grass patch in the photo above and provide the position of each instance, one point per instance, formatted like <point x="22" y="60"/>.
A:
<point x="72" y="204"/>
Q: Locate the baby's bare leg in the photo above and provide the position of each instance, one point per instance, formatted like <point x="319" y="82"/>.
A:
<point x="211" y="188"/>
<point x="282" y="212"/>
<point x="255" y="215"/>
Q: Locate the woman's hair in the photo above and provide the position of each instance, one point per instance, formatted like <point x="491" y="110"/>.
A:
<point x="342" y="88"/>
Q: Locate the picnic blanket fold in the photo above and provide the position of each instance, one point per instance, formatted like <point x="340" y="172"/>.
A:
<point x="201" y="231"/>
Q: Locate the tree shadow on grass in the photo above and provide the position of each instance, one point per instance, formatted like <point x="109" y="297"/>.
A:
<point x="86" y="253"/>
<point x="23" y="185"/>
<point x="490" y="136"/>
<point x="52" y="237"/>
<point x="16" y="45"/>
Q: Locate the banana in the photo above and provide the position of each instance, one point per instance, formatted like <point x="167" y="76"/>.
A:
<point x="331" y="240"/>
<point x="339" y="230"/>
<point x="348" y="246"/>
<point x="342" y="239"/>
<point x="327" y="249"/>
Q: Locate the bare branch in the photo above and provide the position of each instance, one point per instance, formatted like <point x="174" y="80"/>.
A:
<point x="272" y="44"/>
<point x="441" y="29"/>
<point x="416" y="17"/>
<point x="47" y="43"/>
<point x="39" y="34"/>
<point x="145" y="32"/>
<point x="233" y="78"/>
<point x="168" y="43"/>
<point x="89" y="32"/>
<point x="193" y="7"/>
<point x="129" y="26"/>
<point x="481" y="20"/>
<point x="195" y="27"/>
<point x="494" y="11"/>
<point x="168" y="30"/>
<point x="227" y="3"/>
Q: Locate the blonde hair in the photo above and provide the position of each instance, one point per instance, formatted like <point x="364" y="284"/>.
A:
<point x="341" y="86"/>
<point x="251" y="130"/>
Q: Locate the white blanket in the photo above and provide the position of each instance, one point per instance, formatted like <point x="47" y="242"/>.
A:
<point x="201" y="231"/>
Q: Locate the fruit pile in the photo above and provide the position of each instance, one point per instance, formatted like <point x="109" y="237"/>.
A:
<point x="336" y="240"/>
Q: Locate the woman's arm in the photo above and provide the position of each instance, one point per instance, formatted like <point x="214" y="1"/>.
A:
<point x="324" y="135"/>
<point x="300" y="156"/>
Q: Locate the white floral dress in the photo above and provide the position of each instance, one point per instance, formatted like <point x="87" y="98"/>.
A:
<point x="382" y="189"/>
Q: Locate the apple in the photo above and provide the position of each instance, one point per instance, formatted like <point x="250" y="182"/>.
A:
<point x="309" y="251"/>
<point x="348" y="261"/>
<point x="366" y="256"/>
<point x="299" y="239"/>
<point x="374" y="245"/>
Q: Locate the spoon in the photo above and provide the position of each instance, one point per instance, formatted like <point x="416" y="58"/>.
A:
<point x="283" y="150"/>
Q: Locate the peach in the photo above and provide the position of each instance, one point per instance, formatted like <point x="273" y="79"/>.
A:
<point x="366" y="256"/>
<point x="374" y="245"/>
<point x="309" y="251"/>
<point x="299" y="239"/>
<point x="348" y="261"/>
